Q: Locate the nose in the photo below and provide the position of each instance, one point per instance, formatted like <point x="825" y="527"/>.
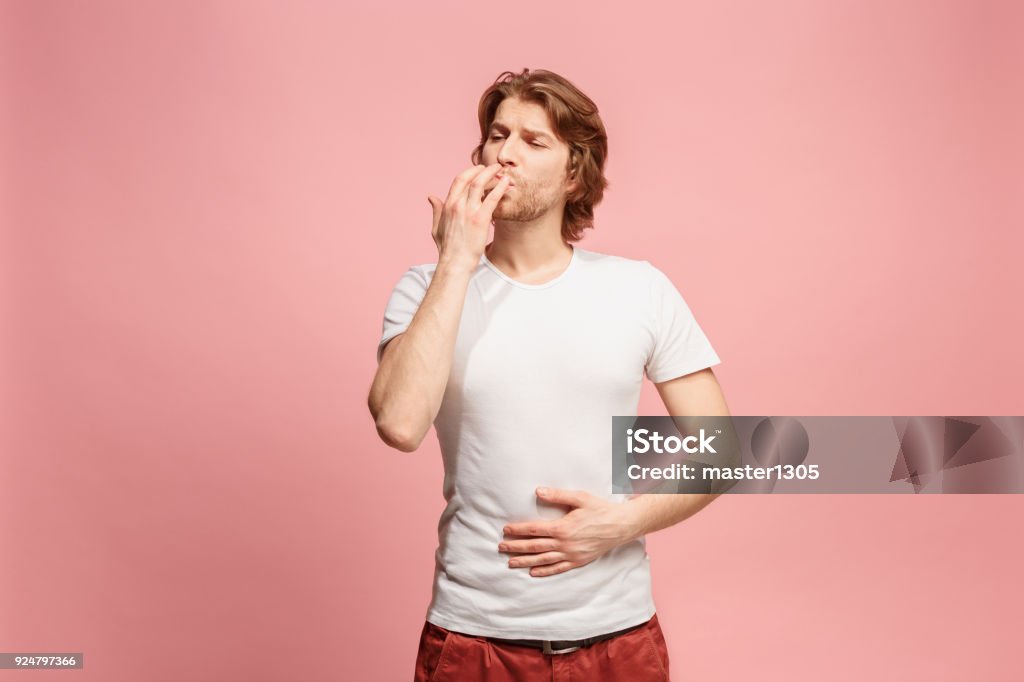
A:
<point x="504" y="158"/>
<point x="505" y="154"/>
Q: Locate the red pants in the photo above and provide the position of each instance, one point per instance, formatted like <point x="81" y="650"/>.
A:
<point x="447" y="656"/>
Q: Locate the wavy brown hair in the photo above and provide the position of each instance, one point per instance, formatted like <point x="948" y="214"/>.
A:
<point x="576" y="122"/>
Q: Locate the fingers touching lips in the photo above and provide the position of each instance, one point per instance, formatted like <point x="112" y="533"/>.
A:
<point x="494" y="183"/>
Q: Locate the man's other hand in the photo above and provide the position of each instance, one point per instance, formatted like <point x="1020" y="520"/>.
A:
<point x="592" y="527"/>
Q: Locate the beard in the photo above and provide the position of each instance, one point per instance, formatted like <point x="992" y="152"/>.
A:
<point x="523" y="203"/>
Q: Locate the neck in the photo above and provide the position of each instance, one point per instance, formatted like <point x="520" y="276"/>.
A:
<point x="522" y="252"/>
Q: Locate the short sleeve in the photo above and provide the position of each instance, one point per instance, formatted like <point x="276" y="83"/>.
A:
<point x="402" y="305"/>
<point x="680" y="346"/>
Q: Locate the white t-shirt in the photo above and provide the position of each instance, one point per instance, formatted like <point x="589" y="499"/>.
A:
<point x="537" y="374"/>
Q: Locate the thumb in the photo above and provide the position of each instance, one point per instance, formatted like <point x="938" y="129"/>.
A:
<point x="574" y="498"/>
<point x="437" y="206"/>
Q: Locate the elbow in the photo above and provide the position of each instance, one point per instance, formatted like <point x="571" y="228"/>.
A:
<point x="398" y="437"/>
<point x="397" y="432"/>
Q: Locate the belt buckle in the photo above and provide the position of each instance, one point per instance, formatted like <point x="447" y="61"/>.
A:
<point x="546" y="648"/>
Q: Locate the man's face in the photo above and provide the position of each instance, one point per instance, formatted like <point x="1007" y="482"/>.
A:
<point x="522" y="141"/>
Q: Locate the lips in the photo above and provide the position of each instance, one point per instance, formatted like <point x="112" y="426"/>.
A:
<point x="497" y="179"/>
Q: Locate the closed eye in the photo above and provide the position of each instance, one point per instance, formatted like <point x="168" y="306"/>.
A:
<point x="498" y="137"/>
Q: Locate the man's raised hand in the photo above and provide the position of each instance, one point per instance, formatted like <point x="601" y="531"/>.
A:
<point x="462" y="221"/>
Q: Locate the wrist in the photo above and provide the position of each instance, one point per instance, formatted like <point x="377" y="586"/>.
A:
<point x="632" y="519"/>
<point x="462" y="265"/>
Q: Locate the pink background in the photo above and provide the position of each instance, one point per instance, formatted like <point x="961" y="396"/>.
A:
<point x="206" y="204"/>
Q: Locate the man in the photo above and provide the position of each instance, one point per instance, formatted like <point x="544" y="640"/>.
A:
<point x="519" y="352"/>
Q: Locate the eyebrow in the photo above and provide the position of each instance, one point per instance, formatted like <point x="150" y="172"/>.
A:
<point x="536" y="133"/>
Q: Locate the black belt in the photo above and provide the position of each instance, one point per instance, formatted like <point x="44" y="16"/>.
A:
<point x="562" y="646"/>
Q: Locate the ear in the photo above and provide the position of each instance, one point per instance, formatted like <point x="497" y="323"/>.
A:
<point x="573" y="181"/>
<point x="572" y="177"/>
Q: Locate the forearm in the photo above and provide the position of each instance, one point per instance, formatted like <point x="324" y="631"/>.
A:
<point x="409" y="385"/>
<point x="651" y="512"/>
